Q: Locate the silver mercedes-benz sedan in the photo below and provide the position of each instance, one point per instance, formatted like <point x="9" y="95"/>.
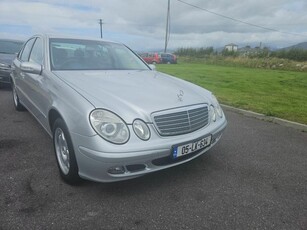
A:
<point x="110" y="115"/>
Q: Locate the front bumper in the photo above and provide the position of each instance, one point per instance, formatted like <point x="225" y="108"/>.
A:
<point x="125" y="162"/>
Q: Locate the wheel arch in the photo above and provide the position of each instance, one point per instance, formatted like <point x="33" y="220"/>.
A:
<point x="53" y="115"/>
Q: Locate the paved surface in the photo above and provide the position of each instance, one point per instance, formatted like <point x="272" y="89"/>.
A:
<point x="276" y="120"/>
<point x="255" y="178"/>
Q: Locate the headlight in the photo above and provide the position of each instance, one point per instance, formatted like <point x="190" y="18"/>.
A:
<point x="109" y="126"/>
<point x="141" y="129"/>
<point x="217" y="106"/>
<point x="212" y="113"/>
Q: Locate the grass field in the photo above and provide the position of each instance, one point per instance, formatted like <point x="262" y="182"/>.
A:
<point x="275" y="93"/>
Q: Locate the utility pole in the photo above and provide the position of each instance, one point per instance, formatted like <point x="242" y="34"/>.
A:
<point x="167" y="26"/>
<point x="100" y="23"/>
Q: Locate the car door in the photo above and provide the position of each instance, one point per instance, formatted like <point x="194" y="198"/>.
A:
<point x="37" y="84"/>
<point x="20" y="77"/>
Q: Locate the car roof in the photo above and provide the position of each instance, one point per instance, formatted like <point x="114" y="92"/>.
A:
<point x="65" y="36"/>
<point x="11" y="40"/>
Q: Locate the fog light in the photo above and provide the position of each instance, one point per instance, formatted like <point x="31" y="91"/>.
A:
<point x="116" y="170"/>
<point x="216" y="138"/>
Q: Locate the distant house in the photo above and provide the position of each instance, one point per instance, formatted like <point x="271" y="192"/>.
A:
<point x="245" y="51"/>
<point x="249" y="51"/>
<point x="231" y="47"/>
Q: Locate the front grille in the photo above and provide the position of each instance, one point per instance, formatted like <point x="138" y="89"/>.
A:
<point x="181" y="121"/>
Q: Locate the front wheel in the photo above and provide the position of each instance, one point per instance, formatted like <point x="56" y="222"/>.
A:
<point x="64" y="152"/>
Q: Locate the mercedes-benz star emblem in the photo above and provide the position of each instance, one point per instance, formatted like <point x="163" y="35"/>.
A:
<point x="180" y="95"/>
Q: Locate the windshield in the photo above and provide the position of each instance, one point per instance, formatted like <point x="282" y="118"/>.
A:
<point x="10" y="47"/>
<point x="75" y="54"/>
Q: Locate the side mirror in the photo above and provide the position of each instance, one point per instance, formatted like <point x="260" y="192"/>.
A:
<point x="152" y="67"/>
<point x="31" y="67"/>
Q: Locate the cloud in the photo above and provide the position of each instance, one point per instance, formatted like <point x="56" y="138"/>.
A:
<point x="141" y="24"/>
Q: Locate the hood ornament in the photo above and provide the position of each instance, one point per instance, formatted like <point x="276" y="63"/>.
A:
<point x="180" y="95"/>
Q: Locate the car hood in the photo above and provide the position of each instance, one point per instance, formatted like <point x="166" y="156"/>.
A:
<point x="7" y="58"/>
<point x="134" y="94"/>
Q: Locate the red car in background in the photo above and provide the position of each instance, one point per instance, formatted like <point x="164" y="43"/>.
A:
<point x="151" y="58"/>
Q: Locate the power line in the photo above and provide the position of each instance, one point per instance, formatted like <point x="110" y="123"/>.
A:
<point x="238" y="20"/>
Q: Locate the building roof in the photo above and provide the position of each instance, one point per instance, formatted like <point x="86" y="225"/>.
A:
<point x="231" y="44"/>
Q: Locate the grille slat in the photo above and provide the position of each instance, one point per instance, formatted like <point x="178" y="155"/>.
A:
<point x="197" y="119"/>
<point x="181" y="122"/>
<point x="176" y="128"/>
<point x="175" y="116"/>
<point x="197" y="114"/>
<point x="197" y="123"/>
<point x="163" y="126"/>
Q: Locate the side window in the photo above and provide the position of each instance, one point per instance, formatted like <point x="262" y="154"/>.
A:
<point x="37" y="52"/>
<point x="26" y="50"/>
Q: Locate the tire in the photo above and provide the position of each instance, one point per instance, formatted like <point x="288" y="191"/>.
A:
<point x="18" y="106"/>
<point x="154" y="63"/>
<point x="64" y="153"/>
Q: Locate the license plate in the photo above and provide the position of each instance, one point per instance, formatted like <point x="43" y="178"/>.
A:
<point x="191" y="147"/>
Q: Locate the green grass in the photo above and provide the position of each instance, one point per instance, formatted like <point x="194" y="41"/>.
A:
<point x="275" y="93"/>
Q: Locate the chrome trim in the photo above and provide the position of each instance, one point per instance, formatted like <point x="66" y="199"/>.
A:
<point x="181" y="120"/>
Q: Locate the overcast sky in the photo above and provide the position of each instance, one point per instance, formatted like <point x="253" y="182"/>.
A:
<point x="141" y="23"/>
